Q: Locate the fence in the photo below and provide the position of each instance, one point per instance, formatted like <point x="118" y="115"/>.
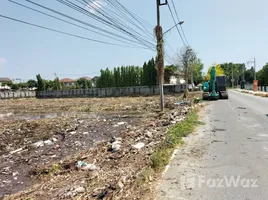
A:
<point x="17" y="94"/>
<point x="111" y="92"/>
<point x="263" y="88"/>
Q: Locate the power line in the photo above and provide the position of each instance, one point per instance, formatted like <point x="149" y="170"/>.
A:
<point x="179" y="21"/>
<point x="72" y="23"/>
<point x="176" y="24"/>
<point x="80" y="21"/>
<point x="64" y="33"/>
<point x="108" y="23"/>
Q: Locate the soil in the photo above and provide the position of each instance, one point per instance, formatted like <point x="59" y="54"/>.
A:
<point x="42" y="141"/>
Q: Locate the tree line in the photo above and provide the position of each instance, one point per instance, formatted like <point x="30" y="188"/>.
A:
<point x="125" y="76"/>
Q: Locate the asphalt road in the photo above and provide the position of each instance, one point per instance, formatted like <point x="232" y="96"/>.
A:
<point x="227" y="158"/>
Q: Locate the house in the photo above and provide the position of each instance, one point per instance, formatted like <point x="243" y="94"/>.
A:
<point x="5" y="80"/>
<point x="174" y="80"/>
<point x="68" y="82"/>
<point x="94" y="81"/>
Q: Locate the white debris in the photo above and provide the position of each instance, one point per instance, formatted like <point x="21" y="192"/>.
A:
<point x="85" y="133"/>
<point x="149" y="134"/>
<point x="15" y="173"/>
<point x="77" y="143"/>
<point x="80" y="190"/>
<point x="38" y="144"/>
<point x="16" y="151"/>
<point x="54" y="139"/>
<point x="48" y="142"/>
<point x="89" y="167"/>
<point x="121" y="123"/>
<point x="116" y="145"/>
<point x="73" y="132"/>
<point x="139" y="145"/>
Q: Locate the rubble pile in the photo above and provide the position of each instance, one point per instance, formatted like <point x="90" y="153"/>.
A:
<point x="98" y="155"/>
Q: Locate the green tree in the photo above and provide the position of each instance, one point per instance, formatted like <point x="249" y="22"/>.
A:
<point x="83" y="83"/>
<point x="32" y="83"/>
<point x="15" y="86"/>
<point x="40" y="83"/>
<point x="262" y="76"/>
<point x="56" y="84"/>
<point x="169" y="71"/>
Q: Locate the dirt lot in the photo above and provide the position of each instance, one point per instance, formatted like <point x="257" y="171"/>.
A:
<point x="81" y="148"/>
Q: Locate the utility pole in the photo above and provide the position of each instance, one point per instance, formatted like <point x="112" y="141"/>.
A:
<point x="255" y="69"/>
<point x="232" y="77"/>
<point x="160" y="53"/>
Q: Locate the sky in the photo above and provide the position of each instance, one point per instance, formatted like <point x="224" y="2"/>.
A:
<point x="218" y="30"/>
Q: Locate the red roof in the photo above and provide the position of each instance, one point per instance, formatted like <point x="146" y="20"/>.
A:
<point x="5" y="79"/>
<point x="67" y="80"/>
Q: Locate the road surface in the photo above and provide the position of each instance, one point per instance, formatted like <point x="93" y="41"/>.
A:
<point x="227" y="158"/>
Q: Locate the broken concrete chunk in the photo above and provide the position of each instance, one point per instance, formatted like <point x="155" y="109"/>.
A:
<point x="138" y="146"/>
<point x="38" y="144"/>
<point x="80" y="190"/>
<point x="89" y="167"/>
<point x="149" y="134"/>
<point x="48" y="142"/>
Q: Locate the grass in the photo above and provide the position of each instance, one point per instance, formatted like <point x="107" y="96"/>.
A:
<point x="162" y="155"/>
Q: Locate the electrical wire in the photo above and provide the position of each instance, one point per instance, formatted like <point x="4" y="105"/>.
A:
<point x="72" y="23"/>
<point x="108" y="23"/>
<point x="174" y="7"/>
<point x="64" y="33"/>
<point x="176" y="24"/>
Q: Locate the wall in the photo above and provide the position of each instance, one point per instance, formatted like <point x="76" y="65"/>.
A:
<point x="17" y="94"/>
<point x="111" y="92"/>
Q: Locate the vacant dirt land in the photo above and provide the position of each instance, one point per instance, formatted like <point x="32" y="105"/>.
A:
<point x="81" y="148"/>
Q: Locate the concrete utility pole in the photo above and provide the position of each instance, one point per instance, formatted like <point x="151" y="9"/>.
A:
<point x="232" y="77"/>
<point x="160" y="53"/>
<point x="255" y="78"/>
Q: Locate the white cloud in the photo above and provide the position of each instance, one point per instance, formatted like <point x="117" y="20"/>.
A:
<point x="3" y="61"/>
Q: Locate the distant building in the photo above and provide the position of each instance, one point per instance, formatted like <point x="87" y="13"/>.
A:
<point x="94" y="81"/>
<point x="68" y="82"/>
<point x="5" y="80"/>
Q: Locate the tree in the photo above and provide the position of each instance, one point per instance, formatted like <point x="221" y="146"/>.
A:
<point x="249" y="75"/>
<point x="169" y="71"/>
<point x="56" y="84"/>
<point x="15" y="86"/>
<point x="82" y="83"/>
<point x="198" y="71"/>
<point x="186" y="60"/>
<point x="262" y="75"/>
<point x="32" y="83"/>
<point x="40" y="83"/>
<point x="232" y="70"/>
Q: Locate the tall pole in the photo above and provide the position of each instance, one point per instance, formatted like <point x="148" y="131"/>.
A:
<point x="255" y="69"/>
<point x="232" y="77"/>
<point x="160" y="54"/>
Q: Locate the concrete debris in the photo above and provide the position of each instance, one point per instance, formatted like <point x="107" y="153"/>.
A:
<point x="89" y="167"/>
<point x="116" y="145"/>
<point x="149" y="134"/>
<point x="48" y="142"/>
<point x="138" y="146"/>
<point x="121" y="123"/>
<point x="16" y="151"/>
<point x="38" y="144"/>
